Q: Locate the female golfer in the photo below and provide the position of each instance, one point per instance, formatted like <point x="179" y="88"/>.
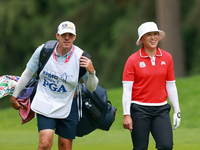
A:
<point x="148" y="78"/>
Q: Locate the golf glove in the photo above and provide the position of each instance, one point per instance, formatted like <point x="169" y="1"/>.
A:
<point x="176" y="119"/>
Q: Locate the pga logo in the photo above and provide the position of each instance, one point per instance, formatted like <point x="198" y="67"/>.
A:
<point x="54" y="87"/>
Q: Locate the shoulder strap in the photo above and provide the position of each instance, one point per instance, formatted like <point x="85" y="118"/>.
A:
<point x="83" y="70"/>
<point x="45" y="53"/>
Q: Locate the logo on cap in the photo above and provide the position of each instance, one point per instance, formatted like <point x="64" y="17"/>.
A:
<point x="67" y="26"/>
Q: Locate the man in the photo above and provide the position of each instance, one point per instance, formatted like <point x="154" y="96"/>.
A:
<point x="57" y="85"/>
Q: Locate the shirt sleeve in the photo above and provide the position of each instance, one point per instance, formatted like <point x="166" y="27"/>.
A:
<point x="91" y="81"/>
<point x="173" y="95"/>
<point x="170" y="71"/>
<point x="24" y="79"/>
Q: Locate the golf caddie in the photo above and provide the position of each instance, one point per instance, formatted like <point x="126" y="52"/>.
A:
<point x="53" y="102"/>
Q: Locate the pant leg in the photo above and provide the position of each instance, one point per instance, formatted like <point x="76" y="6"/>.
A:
<point x="141" y="127"/>
<point x="161" y="128"/>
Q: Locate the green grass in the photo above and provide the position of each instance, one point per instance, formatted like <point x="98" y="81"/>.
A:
<point x="14" y="136"/>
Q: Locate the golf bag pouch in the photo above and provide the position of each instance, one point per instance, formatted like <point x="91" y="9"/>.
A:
<point x="26" y="93"/>
<point x="29" y="90"/>
<point x="108" y="117"/>
<point x="25" y="98"/>
<point x="32" y="83"/>
<point x="97" y="111"/>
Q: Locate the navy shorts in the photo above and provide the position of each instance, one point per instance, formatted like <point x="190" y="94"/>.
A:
<point x="65" y="128"/>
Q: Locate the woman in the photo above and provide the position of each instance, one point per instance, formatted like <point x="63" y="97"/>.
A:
<point x="148" y="79"/>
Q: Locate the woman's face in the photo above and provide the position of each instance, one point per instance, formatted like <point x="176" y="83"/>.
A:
<point x="150" y="40"/>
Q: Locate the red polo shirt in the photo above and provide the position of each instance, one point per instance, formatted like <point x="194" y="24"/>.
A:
<point x="149" y="76"/>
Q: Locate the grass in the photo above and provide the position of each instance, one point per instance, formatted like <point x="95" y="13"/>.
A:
<point x="14" y="136"/>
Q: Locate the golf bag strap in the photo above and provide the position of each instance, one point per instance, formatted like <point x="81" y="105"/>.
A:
<point x="45" y="53"/>
<point x="82" y="69"/>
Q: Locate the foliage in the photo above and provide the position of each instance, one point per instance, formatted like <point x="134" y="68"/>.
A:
<point x="106" y="29"/>
<point x="190" y="32"/>
<point x="106" y="33"/>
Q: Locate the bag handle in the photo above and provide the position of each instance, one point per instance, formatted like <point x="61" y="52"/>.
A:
<point x="82" y="69"/>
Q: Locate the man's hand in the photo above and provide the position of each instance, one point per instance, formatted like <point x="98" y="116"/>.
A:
<point x="87" y="64"/>
<point x="176" y="119"/>
<point x="15" y="104"/>
<point x="128" y="123"/>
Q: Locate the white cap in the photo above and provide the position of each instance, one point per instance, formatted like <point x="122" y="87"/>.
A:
<point x="66" y="27"/>
<point x="149" y="27"/>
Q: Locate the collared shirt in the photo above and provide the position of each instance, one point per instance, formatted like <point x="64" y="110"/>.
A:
<point x="149" y="76"/>
<point x="60" y="58"/>
<point x="33" y="63"/>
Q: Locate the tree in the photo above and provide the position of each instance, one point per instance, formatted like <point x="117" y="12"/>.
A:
<point x="169" y="20"/>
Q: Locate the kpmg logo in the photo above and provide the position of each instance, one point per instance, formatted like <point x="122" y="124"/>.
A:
<point x="55" y="81"/>
<point x="49" y="75"/>
<point x="64" y="26"/>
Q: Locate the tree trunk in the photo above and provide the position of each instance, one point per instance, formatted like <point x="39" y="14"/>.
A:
<point x="168" y="16"/>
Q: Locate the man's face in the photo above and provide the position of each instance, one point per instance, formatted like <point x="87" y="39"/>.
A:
<point x="66" y="40"/>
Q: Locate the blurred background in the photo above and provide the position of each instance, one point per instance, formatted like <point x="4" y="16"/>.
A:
<point x="107" y="29"/>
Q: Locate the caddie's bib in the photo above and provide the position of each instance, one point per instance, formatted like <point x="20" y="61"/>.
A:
<point x="56" y="86"/>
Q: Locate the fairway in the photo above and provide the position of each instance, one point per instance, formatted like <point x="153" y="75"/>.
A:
<point x="27" y="139"/>
<point x="14" y="136"/>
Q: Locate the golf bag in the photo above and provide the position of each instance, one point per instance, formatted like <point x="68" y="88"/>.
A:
<point x="97" y="111"/>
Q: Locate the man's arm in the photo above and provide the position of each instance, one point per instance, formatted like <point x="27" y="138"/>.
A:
<point x="92" y="81"/>
<point x="24" y="79"/>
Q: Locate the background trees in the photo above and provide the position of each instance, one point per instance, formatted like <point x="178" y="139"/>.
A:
<point x="106" y="29"/>
<point x="169" y="20"/>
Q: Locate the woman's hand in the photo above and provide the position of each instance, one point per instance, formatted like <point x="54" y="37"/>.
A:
<point x="128" y="123"/>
